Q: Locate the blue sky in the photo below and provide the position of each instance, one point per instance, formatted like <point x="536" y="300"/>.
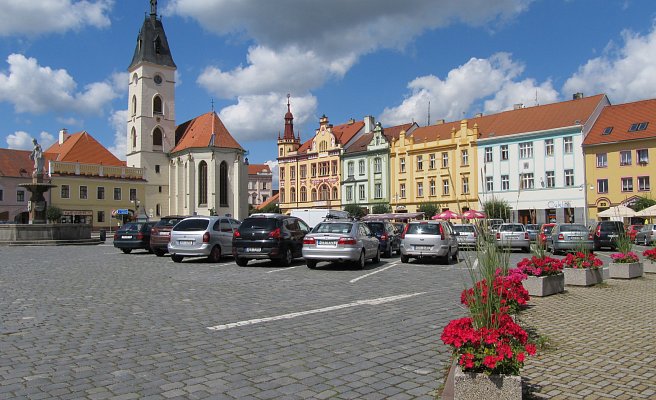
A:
<point x="63" y="62"/>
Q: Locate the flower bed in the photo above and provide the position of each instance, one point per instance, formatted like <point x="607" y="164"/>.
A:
<point x="582" y="269"/>
<point x="544" y="276"/>
<point x="650" y="262"/>
<point x="512" y="294"/>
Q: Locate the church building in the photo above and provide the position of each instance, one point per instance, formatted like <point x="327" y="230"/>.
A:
<point x="194" y="168"/>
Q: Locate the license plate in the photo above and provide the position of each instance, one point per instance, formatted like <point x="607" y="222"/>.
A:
<point x="164" y="233"/>
<point x="576" y="237"/>
<point x="253" y="249"/>
<point x="612" y="236"/>
<point x="422" y="247"/>
<point x="126" y="237"/>
<point x="185" y="242"/>
<point x="327" y="242"/>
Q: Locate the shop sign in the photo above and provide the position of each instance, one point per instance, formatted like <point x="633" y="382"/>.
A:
<point x="559" y="204"/>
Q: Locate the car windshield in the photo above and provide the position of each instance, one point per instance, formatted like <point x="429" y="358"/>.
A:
<point x="192" y="224"/>
<point x="131" y="227"/>
<point x="168" y="222"/>
<point x="511" y="228"/>
<point x="532" y="227"/>
<point x="333" y="228"/>
<point x="423" y="229"/>
<point x="463" y="228"/>
<point x="573" y="228"/>
<point x="258" y="224"/>
<point x="377" y="228"/>
<point x="547" y="229"/>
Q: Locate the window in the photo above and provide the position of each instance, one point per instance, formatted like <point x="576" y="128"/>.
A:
<point x="643" y="184"/>
<point x="378" y="190"/>
<point x="378" y="165"/>
<point x="361" y="167"/>
<point x="324" y="193"/>
<point x="607" y="130"/>
<point x="303" y="172"/>
<point x="335" y="193"/>
<point x="20" y="196"/>
<point x="157" y="105"/>
<point x="489" y="184"/>
<point x="445" y="187"/>
<point x="464" y="157"/>
<point x="303" y="194"/>
<point x="505" y="182"/>
<point x="292" y="195"/>
<point x="349" y="193"/>
<point x="488" y="154"/>
<point x="282" y="195"/>
<point x="117" y="193"/>
<point x="100" y="193"/>
<point x="202" y="183"/>
<point x="431" y="161"/>
<point x="159" y="189"/>
<point x="402" y="164"/>
<point x="133" y="135"/>
<point x="157" y="137"/>
<point x="569" y="177"/>
<point x="549" y="147"/>
<point x="568" y="144"/>
<point x="639" y="126"/>
<point x="551" y="179"/>
<point x="642" y="156"/>
<point x="100" y="216"/>
<point x="2" y="195"/>
<point x="420" y="189"/>
<point x="602" y="160"/>
<point x="625" y="157"/>
<point x="314" y="194"/>
<point x="264" y="186"/>
<point x="402" y="190"/>
<point x="465" y="185"/>
<point x="602" y="185"/>
<point x="65" y="192"/>
<point x="361" y="192"/>
<point x="504" y="152"/>
<point x="281" y="151"/>
<point x="445" y="160"/>
<point x="292" y="172"/>
<point x="84" y="193"/>
<point x="313" y="170"/>
<point x="333" y="167"/>
<point x="134" y="105"/>
<point x="323" y="169"/>
<point x="158" y="210"/>
<point x="431" y="187"/>
<point x="133" y="194"/>
<point x="627" y="184"/>
<point x="157" y="169"/>
<point x="323" y="146"/>
<point x="282" y="173"/>
<point x="526" y="180"/>
<point x="223" y="184"/>
<point x="526" y="150"/>
<point x="420" y="163"/>
<point x="351" y="168"/>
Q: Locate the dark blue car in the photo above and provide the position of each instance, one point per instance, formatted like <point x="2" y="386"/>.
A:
<point x="388" y="236"/>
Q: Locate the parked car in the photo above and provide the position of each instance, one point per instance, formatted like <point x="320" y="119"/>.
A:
<point x="467" y="235"/>
<point x="533" y="231"/>
<point x="606" y="234"/>
<point x="544" y="237"/>
<point x="209" y="237"/>
<point x="389" y="238"/>
<point x="632" y="231"/>
<point x="342" y="241"/>
<point x="133" y="235"/>
<point x="161" y="233"/>
<point x="429" y="239"/>
<point x="570" y="237"/>
<point x="269" y="236"/>
<point x="646" y="235"/>
<point x="513" y="236"/>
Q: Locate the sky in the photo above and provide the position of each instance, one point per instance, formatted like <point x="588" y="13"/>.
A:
<point x="63" y="63"/>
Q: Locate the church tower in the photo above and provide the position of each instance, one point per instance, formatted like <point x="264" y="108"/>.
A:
<point x="288" y="143"/>
<point x="151" y="112"/>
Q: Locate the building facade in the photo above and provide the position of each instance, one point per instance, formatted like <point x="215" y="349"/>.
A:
<point x="260" y="182"/>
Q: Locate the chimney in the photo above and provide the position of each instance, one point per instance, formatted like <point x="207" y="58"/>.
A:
<point x="518" y="106"/>
<point x="440" y="122"/>
<point x="63" y="135"/>
<point x="368" y="123"/>
<point x="577" y="96"/>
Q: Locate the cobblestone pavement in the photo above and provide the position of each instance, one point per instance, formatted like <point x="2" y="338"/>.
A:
<point x="604" y="340"/>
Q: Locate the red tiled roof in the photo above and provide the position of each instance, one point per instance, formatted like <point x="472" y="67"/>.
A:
<point x="17" y="163"/>
<point x="83" y="148"/>
<point x="272" y="199"/>
<point x="254" y="169"/>
<point x="620" y="117"/>
<point x="343" y="133"/>
<point x="530" y="119"/>
<point x="393" y="132"/>
<point x="197" y="133"/>
<point x="360" y="144"/>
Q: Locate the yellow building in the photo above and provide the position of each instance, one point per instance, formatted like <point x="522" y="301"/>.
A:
<point x="435" y="164"/>
<point x="619" y="152"/>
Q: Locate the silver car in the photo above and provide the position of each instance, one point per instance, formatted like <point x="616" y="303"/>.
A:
<point x="467" y="235"/>
<point x="342" y="241"/>
<point x="209" y="237"/>
<point x="429" y="239"/>
<point x="513" y="236"/>
<point x="570" y="237"/>
<point x="646" y="235"/>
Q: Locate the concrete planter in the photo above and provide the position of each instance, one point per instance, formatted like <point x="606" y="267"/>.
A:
<point x="625" y="270"/>
<point x="468" y="385"/>
<point x="583" y="276"/>
<point x="649" y="267"/>
<point x="541" y="286"/>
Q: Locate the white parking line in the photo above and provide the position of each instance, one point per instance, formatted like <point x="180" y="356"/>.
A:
<point x="371" y="302"/>
<point x="394" y="264"/>
<point x="281" y="269"/>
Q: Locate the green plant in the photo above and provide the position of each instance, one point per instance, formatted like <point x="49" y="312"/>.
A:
<point x="642" y="203"/>
<point x="623" y="243"/>
<point x="354" y="210"/>
<point x="429" y="209"/>
<point x="497" y="208"/>
<point x="53" y="213"/>
<point x="270" y="208"/>
<point x="381" y="208"/>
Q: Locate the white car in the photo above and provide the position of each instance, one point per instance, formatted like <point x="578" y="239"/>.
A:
<point x="209" y="237"/>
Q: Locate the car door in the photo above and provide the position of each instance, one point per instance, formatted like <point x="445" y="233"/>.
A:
<point x="225" y="235"/>
<point x="370" y="241"/>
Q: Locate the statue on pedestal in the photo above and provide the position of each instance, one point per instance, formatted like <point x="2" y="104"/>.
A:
<point x="37" y="156"/>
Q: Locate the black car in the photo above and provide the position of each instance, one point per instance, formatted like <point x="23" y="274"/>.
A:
<point x="269" y="236"/>
<point x="606" y="233"/>
<point x="388" y="236"/>
<point x="133" y="235"/>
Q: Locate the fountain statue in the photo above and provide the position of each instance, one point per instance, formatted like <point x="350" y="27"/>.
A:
<point x="37" y="204"/>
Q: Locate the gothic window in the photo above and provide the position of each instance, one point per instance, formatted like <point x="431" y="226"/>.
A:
<point x="292" y="195"/>
<point x="157" y="137"/>
<point x="314" y="194"/>
<point x="324" y="194"/>
<point x="202" y="183"/>
<point x="223" y="184"/>
<point x="157" y="105"/>
<point x="133" y="135"/>
<point x="135" y="78"/>
<point x="303" y="194"/>
<point x="134" y="105"/>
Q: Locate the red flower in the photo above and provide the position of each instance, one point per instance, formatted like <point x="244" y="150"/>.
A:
<point x="467" y="360"/>
<point x="530" y="349"/>
<point x="490" y="361"/>
<point x="520" y="357"/>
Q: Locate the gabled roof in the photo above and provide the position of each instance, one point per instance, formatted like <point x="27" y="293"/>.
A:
<point x="272" y="199"/>
<point x="360" y="144"/>
<point x="204" y="131"/>
<point x="343" y="134"/>
<point x="620" y="118"/>
<point x="254" y="169"/>
<point x="393" y="132"/>
<point x="17" y="163"/>
<point x="82" y="148"/>
<point x="529" y="119"/>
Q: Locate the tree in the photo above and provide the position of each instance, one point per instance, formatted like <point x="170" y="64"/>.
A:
<point x="381" y="208"/>
<point x="497" y="208"/>
<point x="429" y="209"/>
<point x="272" y="207"/>
<point x="355" y="210"/>
<point x="53" y="213"/>
<point x="642" y="203"/>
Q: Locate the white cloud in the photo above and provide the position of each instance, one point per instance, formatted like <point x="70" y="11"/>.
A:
<point x="21" y="140"/>
<point x="273" y="165"/>
<point x="70" y="121"/>
<point x="525" y="92"/>
<point x="118" y="121"/>
<point x="20" y="17"/>
<point x="624" y="74"/>
<point x="32" y="88"/>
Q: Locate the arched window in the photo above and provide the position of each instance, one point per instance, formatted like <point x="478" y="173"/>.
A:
<point x="157" y="137"/>
<point x="134" y="105"/>
<point x="323" y="146"/>
<point x="314" y="194"/>
<point x="324" y="193"/>
<point x="334" y="193"/>
<point x="223" y="184"/>
<point x="133" y="136"/>
<point x="202" y="183"/>
<point x="135" y="78"/>
<point x="157" y="105"/>
<point x="282" y="195"/>
<point x="303" y="194"/>
<point x="292" y="195"/>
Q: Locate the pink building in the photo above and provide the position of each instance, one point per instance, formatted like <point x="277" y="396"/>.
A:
<point x="260" y="182"/>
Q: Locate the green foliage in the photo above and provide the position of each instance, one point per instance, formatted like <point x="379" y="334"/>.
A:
<point x="642" y="203"/>
<point x="269" y="208"/>
<point x="53" y="213"/>
<point x="429" y="209"/>
<point x="381" y="208"/>
<point x="497" y="208"/>
<point x="355" y="210"/>
<point x="624" y="245"/>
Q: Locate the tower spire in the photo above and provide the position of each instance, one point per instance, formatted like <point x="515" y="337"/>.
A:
<point x="289" y="122"/>
<point x="153" y="8"/>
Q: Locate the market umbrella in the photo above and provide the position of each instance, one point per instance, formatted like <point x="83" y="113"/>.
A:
<point x="647" y="212"/>
<point x="474" y="214"/>
<point x="448" y="214"/>
<point x="617" y="211"/>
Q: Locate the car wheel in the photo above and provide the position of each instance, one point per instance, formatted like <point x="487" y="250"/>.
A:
<point x="527" y="249"/>
<point x="312" y="264"/>
<point x="159" y="253"/>
<point x="404" y="258"/>
<point x="645" y="242"/>
<point x="388" y="252"/>
<point x="176" y="258"/>
<point x="287" y="258"/>
<point x="447" y="258"/>
<point x="242" y="262"/>
<point x="454" y="257"/>
<point x="361" y="261"/>
<point x="126" y="251"/>
<point x="377" y="257"/>
<point x="215" y="254"/>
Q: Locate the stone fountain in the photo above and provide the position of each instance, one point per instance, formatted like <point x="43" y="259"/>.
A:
<point x="37" y="204"/>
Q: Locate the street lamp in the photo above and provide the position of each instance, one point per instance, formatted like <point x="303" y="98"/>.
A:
<point x="136" y="203"/>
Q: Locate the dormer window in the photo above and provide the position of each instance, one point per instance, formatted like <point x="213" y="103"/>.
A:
<point x="638" y="126"/>
<point x="607" y="130"/>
